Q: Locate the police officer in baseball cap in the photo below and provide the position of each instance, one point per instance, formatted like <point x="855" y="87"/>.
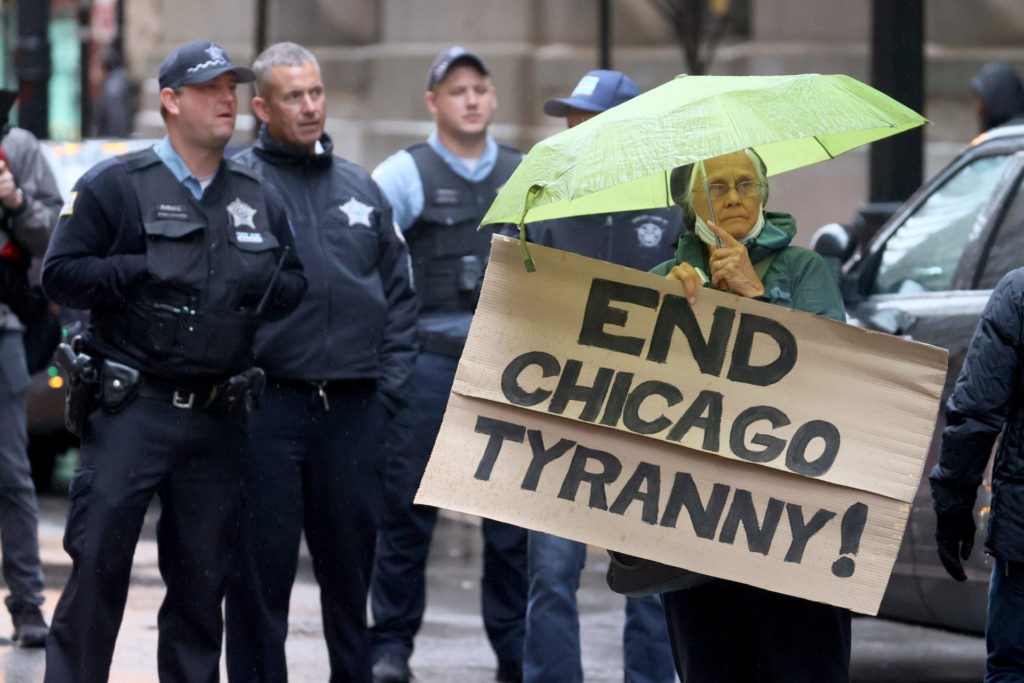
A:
<point x="439" y="190"/>
<point x="637" y="239"/>
<point x="179" y="255"/>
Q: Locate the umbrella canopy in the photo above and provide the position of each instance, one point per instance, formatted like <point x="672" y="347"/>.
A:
<point x="620" y="159"/>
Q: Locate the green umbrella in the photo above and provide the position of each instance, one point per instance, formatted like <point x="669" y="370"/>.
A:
<point x="621" y="159"/>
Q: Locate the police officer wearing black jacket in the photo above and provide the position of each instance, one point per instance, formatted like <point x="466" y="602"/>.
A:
<point x="335" y="368"/>
<point x="439" y="191"/>
<point x="178" y="255"/>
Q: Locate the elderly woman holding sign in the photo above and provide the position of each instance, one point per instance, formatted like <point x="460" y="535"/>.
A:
<point x="720" y="630"/>
<point x="734" y="244"/>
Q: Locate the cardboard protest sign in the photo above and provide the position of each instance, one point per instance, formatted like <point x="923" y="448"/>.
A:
<point x="734" y="438"/>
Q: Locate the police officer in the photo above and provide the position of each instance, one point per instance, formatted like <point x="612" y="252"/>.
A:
<point x="439" y="190"/>
<point x="637" y="239"/>
<point x="29" y="204"/>
<point x="178" y="254"/>
<point x="335" y="368"/>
